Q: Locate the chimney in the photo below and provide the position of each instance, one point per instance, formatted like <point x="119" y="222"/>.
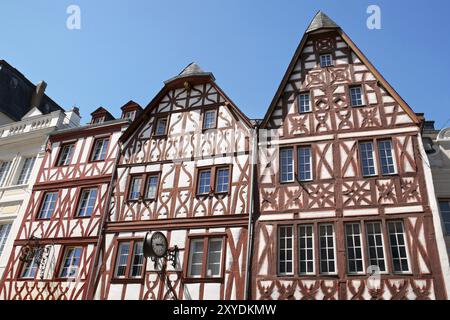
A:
<point x="38" y="94"/>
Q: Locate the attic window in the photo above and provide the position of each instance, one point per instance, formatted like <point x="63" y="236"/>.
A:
<point x="98" y="120"/>
<point x="129" y="115"/>
<point x="326" y="60"/>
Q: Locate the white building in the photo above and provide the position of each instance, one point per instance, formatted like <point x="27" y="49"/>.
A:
<point x="27" y="116"/>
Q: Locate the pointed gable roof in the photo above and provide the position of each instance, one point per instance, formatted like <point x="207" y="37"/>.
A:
<point x="191" y="73"/>
<point x="322" y="22"/>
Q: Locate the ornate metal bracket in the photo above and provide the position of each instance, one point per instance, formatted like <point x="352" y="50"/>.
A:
<point x="171" y="255"/>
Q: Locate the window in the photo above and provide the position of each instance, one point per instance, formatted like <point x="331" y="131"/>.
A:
<point x="26" y="171"/>
<point x="129" y="115"/>
<point x="386" y="159"/>
<point x="212" y="267"/>
<point x="326" y="247"/>
<point x="71" y="262"/>
<point x="100" y="148"/>
<point x="354" y="248"/>
<point x="326" y="60"/>
<point x="286" y="165"/>
<point x="306" y="249"/>
<point x="398" y="246"/>
<point x="304" y="164"/>
<point x="87" y="202"/>
<point x="356" y="96"/>
<point x="444" y="207"/>
<point x="98" y="120"/>
<point x="222" y="178"/>
<point x="151" y="187"/>
<point x="161" y="126"/>
<point x="4" y="232"/>
<point x="30" y="268"/>
<point x="304" y="103"/>
<point x="285" y="250"/>
<point x="204" y="182"/>
<point x="367" y="158"/>
<point x="4" y="169"/>
<point x="66" y="154"/>
<point x="129" y="260"/>
<point x="48" y="205"/>
<point x="135" y="189"/>
<point x="209" y="120"/>
<point x="375" y="245"/>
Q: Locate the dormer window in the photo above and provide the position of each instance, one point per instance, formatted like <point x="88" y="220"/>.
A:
<point x="209" y="119"/>
<point x="326" y="60"/>
<point x="98" y="120"/>
<point x="161" y="126"/>
<point x="129" y="115"/>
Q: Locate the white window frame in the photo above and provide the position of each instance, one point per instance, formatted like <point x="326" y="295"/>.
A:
<point x="361" y="92"/>
<point x="158" y="120"/>
<point x="25" y="171"/>
<point x="286" y="261"/>
<point x="40" y="216"/>
<point x="291" y="165"/>
<point x="102" y="153"/>
<point x="120" y="255"/>
<point x="147" y="187"/>
<point x="394" y="163"/>
<point x="72" y="266"/>
<point x="214" y="123"/>
<point x="227" y="182"/>
<point x="354" y="236"/>
<point x="132" y="191"/>
<point x="323" y="56"/>
<point x="5" y="230"/>
<point x="377" y="245"/>
<point x="374" y="159"/>
<point x="299" y="148"/>
<point x="208" y="252"/>
<point x="6" y="167"/>
<point x="405" y="239"/>
<point x="84" y="209"/>
<point x="334" y="249"/>
<point x="312" y="248"/>
<point x="444" y="222"/>
<point x="191" y="253"/>
<point x="300" y="105"/>
<point x="141" y="263"/>
<point x="200" y="181"/>
<point x="69" y="154"/>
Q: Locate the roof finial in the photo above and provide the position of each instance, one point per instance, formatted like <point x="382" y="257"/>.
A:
<point x="321" y="21"/>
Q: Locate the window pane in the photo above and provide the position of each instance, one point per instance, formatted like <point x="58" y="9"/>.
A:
<point x="367" y="158"/>
<point x="30" y="268"/>
<point x="138" y="260"/>
<point x="214" y="257"/>
<point x="306" y="249"/>
<point x="286" y="165"/>
<point x="204" y="182"/>
<point x="326" y="60"/>
<point x="356" y="96"/>
<point x="285" y="250"/>
<point x="209" y="121"/>
<point x="4" y="232"/>
<point x="375" y="245"/>
<point x="354" y="248"/>
<point x="48" y="205"/>
<point x="387" y="161"/>
<point x="196" y="258"/>
<point x="87" y="202"/>
<point x="100" y="148"/>
<point x="161" y="125"/>
<point x="326" y="241"/>
<point x="398" y="246"/>
<point x="66" y="154"/>
<point x="26" y="171"/>
<point x="304" y="163"/>
<point x="4" y="169"/>
<point x="71" y="263"/>
<point x="222" y="179"/>
<point x="135" y="190"/>
<point x="122" y="259"/>
<point x="304" y="103"/>
<point x="152" y="185"/>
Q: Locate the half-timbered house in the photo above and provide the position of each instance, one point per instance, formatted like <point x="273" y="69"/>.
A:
<point x="184" y="170"/>
<point x="52" y="256"/>
<point x="346" y="207"/>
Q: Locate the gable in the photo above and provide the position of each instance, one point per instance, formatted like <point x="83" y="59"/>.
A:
<point x="329" y="91"/>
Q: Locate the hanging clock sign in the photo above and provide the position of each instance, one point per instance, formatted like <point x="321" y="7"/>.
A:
<point x="155" y="245"/>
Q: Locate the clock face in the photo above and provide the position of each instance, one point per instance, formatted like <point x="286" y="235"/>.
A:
<point x="159" y="244"/>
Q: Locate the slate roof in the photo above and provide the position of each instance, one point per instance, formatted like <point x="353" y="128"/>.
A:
<point x="190" y="70"/>
<point x="321" y="21"/>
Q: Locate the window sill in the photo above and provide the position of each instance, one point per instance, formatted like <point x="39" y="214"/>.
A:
<point x="127" y="280"/>
<point x="204" y="280"/>
<point x="159" y="136"/>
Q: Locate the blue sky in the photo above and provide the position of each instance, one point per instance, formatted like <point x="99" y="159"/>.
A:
<point x="126" y="49"/>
